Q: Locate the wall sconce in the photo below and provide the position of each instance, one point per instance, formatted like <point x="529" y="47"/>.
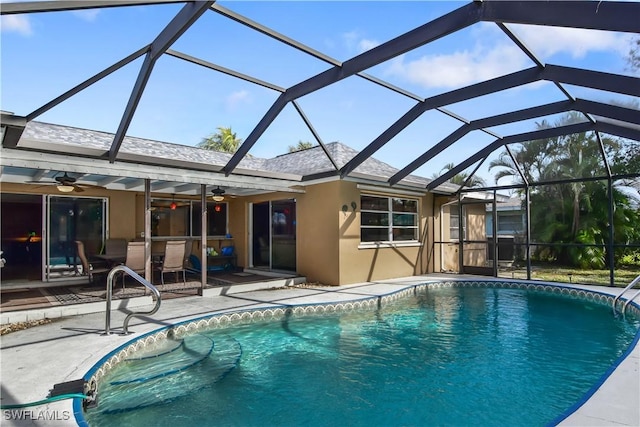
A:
<point x="354" y="206"/>
<point x="218" y="194"/>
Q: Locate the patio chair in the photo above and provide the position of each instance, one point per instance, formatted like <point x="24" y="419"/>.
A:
<point x="87" y="268"/>
<point x="135" y="258"/>
<point x="115" y="246"/>
<point x="173" y="261"/>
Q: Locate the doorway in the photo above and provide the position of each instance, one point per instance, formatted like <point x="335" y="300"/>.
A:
<point x="21" y="228"/>
<point x="273" y="235"/>
<point x="70" y="219"/>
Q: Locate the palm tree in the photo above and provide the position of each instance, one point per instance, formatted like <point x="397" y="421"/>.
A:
<point x="576" y="211"/>
<point x="302" y="145"/>
<point x="461" y="178"/>
<point x="224" y="140"/>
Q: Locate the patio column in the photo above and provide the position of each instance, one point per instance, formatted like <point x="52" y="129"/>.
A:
<point x="147" y="231"/>
<point x="203" y="238"/>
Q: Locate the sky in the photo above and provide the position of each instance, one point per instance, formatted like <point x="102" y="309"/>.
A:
<point x="45" y="54"/>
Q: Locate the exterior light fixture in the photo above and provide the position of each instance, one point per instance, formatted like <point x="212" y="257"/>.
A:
<point x="65" y="188"/>
<point x="218" y="194"/>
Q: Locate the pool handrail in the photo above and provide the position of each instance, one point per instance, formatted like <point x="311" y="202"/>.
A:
<point x="628" y="301"/>
<point x="139" y="279"/>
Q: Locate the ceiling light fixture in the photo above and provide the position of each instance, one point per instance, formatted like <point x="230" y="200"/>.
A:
<point x="173" y="204"/>
<point x="65" y="188"/>
<point x="218" y="194"/>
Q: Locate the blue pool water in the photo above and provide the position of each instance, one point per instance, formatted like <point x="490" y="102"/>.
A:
<point x="448" y="357"/>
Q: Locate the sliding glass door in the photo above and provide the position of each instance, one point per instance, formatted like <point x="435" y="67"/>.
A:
<point x="283" y="235"/>
<point x="273" y="235"/>
<point x="70" y="219"/>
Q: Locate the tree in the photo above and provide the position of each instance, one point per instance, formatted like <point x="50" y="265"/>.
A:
<point x="224" y="140"/>
<point x="461" y="178"/>
<point x="575" y="211"/>
<point x="634" y="55"/>
<point x="302" y="145"/>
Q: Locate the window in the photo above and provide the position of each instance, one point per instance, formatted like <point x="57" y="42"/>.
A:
<point x="454" y="225"/>
<point x="182" y="218"/>
<point x="216" y="219"/>
<point x="510" y="223"/>
<point x="388" y="219"/>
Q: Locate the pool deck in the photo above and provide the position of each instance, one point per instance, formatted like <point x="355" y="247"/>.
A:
<point x="34" y="359"/>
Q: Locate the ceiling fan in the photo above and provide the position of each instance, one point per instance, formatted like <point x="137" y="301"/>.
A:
<point x="67" y="184"/>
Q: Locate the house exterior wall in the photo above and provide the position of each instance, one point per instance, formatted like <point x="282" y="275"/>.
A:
<point x="328" y="247"/>
<point x="318" y="249"/>
<point x="359" y="263"/>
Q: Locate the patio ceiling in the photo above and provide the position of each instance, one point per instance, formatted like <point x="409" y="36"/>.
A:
<point x="602" y="118"/>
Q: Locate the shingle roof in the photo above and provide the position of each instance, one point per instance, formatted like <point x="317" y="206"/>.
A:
<point x="313" y="160"/>
<point x="98" y="140"/>
<point x="304" y="162"/>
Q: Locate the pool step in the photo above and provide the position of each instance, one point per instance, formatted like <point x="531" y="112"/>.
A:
<point x="168" y="372"/>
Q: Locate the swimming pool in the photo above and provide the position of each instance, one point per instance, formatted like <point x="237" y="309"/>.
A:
<point x="472" y="353"/>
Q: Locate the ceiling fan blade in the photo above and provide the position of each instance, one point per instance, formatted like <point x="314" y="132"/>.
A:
<point x="40" y="182"/>
<point x="90" y="186"/>
<point x="77" y="188"/>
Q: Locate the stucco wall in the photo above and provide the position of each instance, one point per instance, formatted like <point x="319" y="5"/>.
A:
<point x="358" y="264"/>
<point x="318" y="251"/>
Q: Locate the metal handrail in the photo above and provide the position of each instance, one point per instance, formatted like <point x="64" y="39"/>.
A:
<point x="629" y="286"/>
<point x="141" y="280"/>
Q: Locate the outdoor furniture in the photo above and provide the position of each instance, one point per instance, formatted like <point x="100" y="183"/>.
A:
<point x="134" y="258"/>
<point x="226" y="259"/>
<point x="87" y="268"/>
<point x="196" y="265"/>
<point x="115" y="247"/>
<point x="173" y="261"/>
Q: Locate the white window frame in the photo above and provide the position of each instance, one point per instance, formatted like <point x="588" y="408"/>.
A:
<point x="389" y="211"/>
<point x="455" y="213"/>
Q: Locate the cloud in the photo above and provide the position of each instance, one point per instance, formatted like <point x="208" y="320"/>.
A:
<point x="16" y="24"/>
<point x="88" y="15"/>
<point x="549" y="41"/>
<point x="235" y="99"/>
<point x="493" y="55"/>
<point x="459" y="68"/>
<point x="366" y="44"/>
<point x="355" y="42"/>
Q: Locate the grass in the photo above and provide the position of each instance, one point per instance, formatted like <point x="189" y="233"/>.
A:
<point x="623" y="276"/>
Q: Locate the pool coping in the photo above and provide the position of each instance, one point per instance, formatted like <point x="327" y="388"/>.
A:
<point x="188" y="311"/>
